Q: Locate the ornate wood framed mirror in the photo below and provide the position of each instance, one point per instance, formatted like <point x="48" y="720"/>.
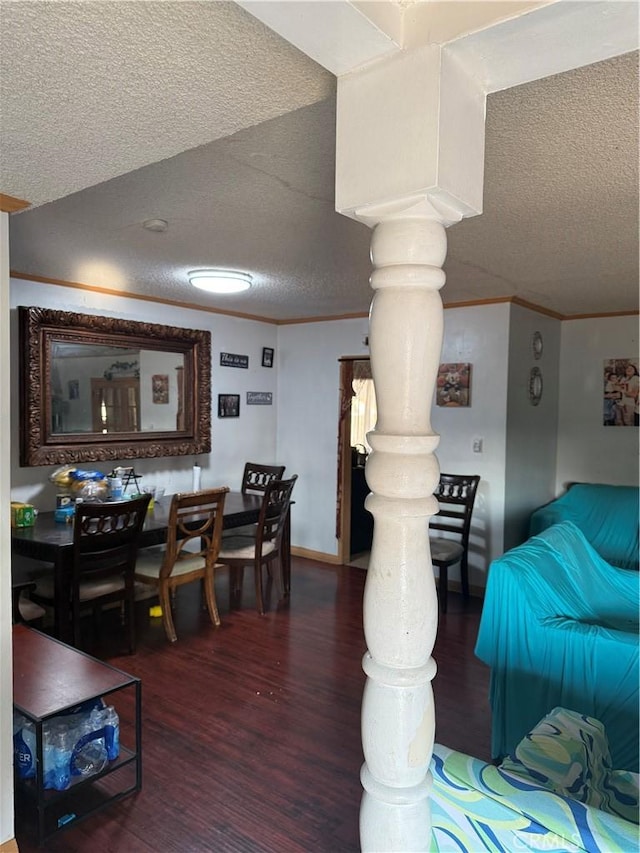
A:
<point x="96" y="388"/>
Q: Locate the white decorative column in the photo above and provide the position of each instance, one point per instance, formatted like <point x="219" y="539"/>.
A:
<point x="409" y="163"/>
<point x="400" y="603"/>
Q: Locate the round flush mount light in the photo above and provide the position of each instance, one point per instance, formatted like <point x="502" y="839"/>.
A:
<point x="220" y="281"/>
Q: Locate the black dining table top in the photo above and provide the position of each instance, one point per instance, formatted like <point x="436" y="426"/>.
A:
<point x="48" y="535"/>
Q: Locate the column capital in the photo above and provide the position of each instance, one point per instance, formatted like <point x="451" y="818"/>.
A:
<point x="410" y="134"/>
<point x="431" y="206"/>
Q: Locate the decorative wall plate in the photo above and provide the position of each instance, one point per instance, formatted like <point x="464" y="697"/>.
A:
<point x="535" y="386"/>
<point x="536" y="344"/>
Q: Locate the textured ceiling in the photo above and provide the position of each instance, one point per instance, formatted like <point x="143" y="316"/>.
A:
<point x="91" y="90"/>
<point x="138" y="83"/>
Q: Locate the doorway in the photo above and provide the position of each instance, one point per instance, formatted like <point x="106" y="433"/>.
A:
<point x="358" y="415"/>
<point x="115" y="405"/>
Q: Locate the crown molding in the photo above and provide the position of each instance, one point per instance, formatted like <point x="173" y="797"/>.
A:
<point x="329" y="318"/>
<point x="10" y="204"/>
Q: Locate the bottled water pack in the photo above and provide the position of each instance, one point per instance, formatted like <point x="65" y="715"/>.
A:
<point x="78" y="743"/>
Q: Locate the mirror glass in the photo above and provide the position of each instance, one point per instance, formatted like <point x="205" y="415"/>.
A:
<point x="104" y="389"/>
<point x="99" y="388"/>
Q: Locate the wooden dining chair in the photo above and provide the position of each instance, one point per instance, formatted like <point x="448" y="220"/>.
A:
<point x="267" y="543"/>
<point x="194" y="532"/>
<point x="456" y="494"/>
<point x="256" y="476"/>
<point x="105" y="549"/>
<point x="255" y="479"/>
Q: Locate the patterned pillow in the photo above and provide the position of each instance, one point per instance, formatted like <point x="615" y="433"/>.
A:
<point x="568" y="753"/>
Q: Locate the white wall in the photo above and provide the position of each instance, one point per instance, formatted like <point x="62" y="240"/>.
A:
<point x="478" y="335"/>
<point x="308" y="405"/>
<point x="587" y="450"/>
<point x="234" y="440"/>
<point x="530" y="469"/>
<point x="300" y="429"/>
<point x="159" y="416"/>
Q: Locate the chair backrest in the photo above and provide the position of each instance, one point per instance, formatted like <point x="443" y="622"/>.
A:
<point x="194" y="528"/>
<point x="257" y="477"/>
<point x="273" y="512"/>
<point x="456" y="494"/>
<point x="105" y="539"/>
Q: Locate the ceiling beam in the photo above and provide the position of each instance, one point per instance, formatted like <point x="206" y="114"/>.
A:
<point x="337" y="34"/>
<point x="550" y="40"/>
<point x="503" y="44"/>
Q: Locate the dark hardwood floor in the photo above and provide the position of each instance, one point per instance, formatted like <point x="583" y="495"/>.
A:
<point x="251" y="733"/>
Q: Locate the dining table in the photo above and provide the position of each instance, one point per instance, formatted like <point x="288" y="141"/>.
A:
<point x="49" y="541"/>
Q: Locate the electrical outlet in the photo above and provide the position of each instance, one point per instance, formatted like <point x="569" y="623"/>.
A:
<point x="477" y="445"/>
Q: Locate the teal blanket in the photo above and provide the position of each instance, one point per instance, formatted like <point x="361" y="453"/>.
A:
<point x="559" y="627"/>
<point x="607" y="515"/>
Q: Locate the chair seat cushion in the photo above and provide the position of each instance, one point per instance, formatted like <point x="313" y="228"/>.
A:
<point x="445" y="550"/>
<point x="29" y="610"/>
<point x="148" y="565"/>
<point x="88" y="590"/>
<point x="242" y="547"/>
<point x="246" y="530"/>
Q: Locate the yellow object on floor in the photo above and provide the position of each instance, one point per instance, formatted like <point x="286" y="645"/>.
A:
<point x="156" y="610"/>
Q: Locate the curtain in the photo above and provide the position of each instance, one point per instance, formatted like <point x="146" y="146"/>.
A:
<point x="364" y="412"/>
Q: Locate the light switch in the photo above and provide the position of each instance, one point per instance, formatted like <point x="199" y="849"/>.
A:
<point x="477" y="445"/>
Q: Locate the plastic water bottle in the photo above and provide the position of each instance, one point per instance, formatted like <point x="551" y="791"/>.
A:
<point x="90" y="758"/>
<point x="112" y="732"/>
<point x="24" y="747"/>
<point x="57" y="743"/>
<point x="89" y="752"/>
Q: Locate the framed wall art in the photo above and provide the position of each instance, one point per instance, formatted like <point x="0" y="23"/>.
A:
<point x="453" y="385"/>
<point x="259" y="398"/>
<point x="620" y="392"/>
<point x="228" y="405"/>
<point x="234" y="359"/>
<point x="267" y="357"/>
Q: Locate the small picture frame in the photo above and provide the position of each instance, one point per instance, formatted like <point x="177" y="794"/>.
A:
<point x="228" y="405"/>
<point x="267" y="356"/>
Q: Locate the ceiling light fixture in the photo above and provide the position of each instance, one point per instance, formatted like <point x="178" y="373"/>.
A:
<point x="220" y="281"/>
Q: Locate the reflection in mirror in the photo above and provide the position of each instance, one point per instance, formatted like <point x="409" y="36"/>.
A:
<point x="99" y="388"/>
<point x="104" y="389"/>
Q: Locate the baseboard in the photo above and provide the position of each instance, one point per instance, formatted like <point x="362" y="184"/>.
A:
<point x="334" y="560"/>
<point x="320" y="556"/>
<point x="10" y="846"/>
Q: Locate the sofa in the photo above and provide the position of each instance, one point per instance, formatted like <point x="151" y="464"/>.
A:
<point x="559" y="627"/>
<point x="607" y="515"/>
